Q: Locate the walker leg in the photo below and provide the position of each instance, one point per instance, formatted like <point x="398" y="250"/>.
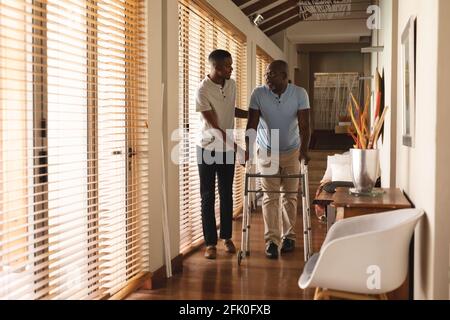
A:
<point x="308" y="209"/>
<point x="306" y="212"/>
<point x="247" y="204"/>
<point x="241" y="253"/>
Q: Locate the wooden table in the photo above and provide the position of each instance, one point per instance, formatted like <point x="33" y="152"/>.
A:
<point x="348" y="205"/>
<point x="342" y="205"/>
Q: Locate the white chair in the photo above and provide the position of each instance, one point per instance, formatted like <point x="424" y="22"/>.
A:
<point x="363" y="257"/>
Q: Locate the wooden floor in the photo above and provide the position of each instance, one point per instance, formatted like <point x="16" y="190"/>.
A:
<point x="258" y="278"/>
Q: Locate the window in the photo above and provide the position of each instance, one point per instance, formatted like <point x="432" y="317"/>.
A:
<point x="332" y="97"/>
<point x="262" y="62"/>
<point x="73" y="148"/>
<point x="202" y="30"/>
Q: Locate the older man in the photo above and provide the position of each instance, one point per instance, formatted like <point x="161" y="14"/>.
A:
<point x="284" y="107"/>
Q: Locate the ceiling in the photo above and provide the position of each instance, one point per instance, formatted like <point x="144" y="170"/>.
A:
<point x="279" y="15"/>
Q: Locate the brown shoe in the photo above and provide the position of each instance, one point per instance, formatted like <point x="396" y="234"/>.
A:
<point x="211" y="252"/>
<point x="229" y="246"/>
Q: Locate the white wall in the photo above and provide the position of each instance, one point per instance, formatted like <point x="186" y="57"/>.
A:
<point x="162" y="22"/>
<point x="290" y="50"/>
<point x="328" y="31"/>
<point x="387" y="61"/>
<point x="279" y="39"/>
<point x="171" y="116"/>
<point x="422" y="172"/>
<point x="416" y="167"/>
<point x="291" y="58"/>
<point x="442" y="268"/>
<point x="163" y="68"/>
<point x="154" y="23"/>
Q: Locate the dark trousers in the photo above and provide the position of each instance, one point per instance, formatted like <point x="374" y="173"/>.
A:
<point x="211" y="163"/>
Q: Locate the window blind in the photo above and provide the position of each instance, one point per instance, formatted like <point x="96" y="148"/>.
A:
<point x="202" y="30"/>
<point x="73" y="148"/>
<point x="262" y="62"/>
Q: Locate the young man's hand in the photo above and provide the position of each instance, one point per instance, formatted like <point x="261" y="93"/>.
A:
<point x="243" y="158"/>
<point x="241" y="155"/>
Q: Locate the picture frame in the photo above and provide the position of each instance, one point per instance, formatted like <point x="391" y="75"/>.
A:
<point x="408" y="74"/>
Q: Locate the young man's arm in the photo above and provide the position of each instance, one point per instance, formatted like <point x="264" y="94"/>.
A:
<point x="211" y="118"/>
<point x="305" y="133"/>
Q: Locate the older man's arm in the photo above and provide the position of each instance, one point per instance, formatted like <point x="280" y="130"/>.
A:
<point x="252" y="124"/>
<point x="305" y="133"/>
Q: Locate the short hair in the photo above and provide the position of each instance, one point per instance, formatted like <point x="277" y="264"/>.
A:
<point x="218" y="56"/>
<point x="280" y="66"/>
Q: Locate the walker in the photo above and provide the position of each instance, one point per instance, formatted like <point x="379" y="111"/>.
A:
<point x="244" y="252"/>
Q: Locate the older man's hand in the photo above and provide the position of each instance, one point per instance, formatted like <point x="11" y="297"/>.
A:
<point x="304" y="156"/>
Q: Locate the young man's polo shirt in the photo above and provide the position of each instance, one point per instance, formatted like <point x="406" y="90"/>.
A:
<point x="279" y="113"/>
<point x="221" y="100"/>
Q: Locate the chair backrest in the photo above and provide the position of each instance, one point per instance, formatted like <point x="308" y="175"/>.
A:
<point x="367" y="254"/>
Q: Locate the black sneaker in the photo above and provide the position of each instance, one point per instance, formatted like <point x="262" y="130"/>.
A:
<point x="287" y="246"/>
<point x="271" y="250"/>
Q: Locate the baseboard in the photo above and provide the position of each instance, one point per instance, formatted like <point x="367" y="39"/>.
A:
<point x="158" y="278"/>
<point x="237" y="213"/>
<point x="133" y="285"/>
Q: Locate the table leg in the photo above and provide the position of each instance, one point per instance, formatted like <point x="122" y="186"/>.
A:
<point x="340" y="213"/>
<point x="331" y="216"/>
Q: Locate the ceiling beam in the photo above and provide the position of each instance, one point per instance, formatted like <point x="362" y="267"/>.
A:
<point x="279" y="9"/>
<point x="283" y="26"/>
<point x="240" y="2"/>
<point x="319" y="4"/>
<point x="279" y="19"/>
<point x="251" y="9"/>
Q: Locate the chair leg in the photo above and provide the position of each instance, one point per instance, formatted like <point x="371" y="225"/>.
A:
<point x="321" y="294"/>
<point x="317" y="295"/>
<point x="349" y="296"/>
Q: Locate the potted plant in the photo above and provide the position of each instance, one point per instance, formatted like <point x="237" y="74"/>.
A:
<point x="365" y="155"/>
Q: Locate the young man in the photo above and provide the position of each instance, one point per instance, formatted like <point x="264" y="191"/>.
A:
<point x="216" y="101"/>
<point x="284" y="107"/>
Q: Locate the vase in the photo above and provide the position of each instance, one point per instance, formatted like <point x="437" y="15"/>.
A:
<point x="365" y="164"/>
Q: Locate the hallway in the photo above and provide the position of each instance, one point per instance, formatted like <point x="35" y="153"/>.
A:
<point x="105" y="106"/>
